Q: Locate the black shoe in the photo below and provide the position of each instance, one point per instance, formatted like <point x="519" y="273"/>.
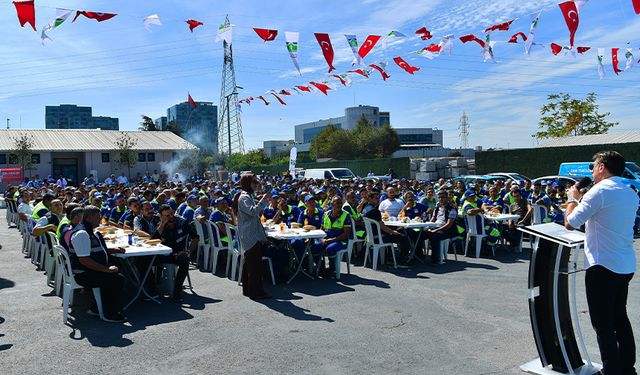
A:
<point x="93" y="311"/>
<point x="177" y="296"/>
<point x="115" y="318"/>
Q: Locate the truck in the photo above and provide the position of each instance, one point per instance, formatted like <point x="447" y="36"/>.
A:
<point x="631" y="175"/>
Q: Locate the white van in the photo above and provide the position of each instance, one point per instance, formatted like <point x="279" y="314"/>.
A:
<point x="329" y="173"/>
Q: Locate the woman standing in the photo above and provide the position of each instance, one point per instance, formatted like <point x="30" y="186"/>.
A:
<point x="250" y="235"/>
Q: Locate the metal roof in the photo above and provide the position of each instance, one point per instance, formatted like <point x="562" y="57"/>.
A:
<point x="59" y="140"/>
<point x="632" y="136"/>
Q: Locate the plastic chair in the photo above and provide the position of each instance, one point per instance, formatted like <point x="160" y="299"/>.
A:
<point x="348" y="251"/>
<point x="269" y="262"/>
<point x="216" y="246"/>
<point x="49" y="260"/>
<point x="478" y="235"/>
<point x="203" y="247"/>
<point x="374" y="241"/>
<point x="232" y="254"/>
<point x="70" y="284"/>
<point x="444" y="248"/>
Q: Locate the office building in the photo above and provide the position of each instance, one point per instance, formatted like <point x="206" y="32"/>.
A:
<point x="305" y="133"/>
<point x="198" y="125"/>
<point x="278" y="148"/>
<point x="161" y="123"/>
<point x="69" y="116"/>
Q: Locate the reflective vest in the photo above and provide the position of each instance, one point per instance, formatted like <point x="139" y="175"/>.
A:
<point x="315" y="220"/>
<point x="98" y="250"/>
<point x="354" y="213"/>
<point x="38" y="211"/>
<point x="467" y="203"/>
<point x="63" y="222"/>
<point x="337" y="225"/>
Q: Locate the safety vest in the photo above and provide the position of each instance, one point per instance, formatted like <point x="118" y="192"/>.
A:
<point x="98" y="250"/>
<point x="36" y="211"/>
<point x="467" y="203"/>
<point x="337" y="224"/>
<point x="354" y="213"/>
<point x="63" y="222"/>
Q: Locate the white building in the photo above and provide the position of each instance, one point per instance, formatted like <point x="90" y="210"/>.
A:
<point x="78" y="153"/>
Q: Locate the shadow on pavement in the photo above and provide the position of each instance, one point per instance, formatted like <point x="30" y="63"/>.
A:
<point x="141" y="315"/>
<point x="4" y="283"/>
<point x="287" y="308"/>
<point x="4" y="346"/>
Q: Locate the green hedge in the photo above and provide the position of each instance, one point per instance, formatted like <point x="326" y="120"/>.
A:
<point x="536" y="162"/>
<point x="359" y="167"/>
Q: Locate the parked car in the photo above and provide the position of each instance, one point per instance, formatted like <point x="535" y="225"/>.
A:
<point x="630" y="176"/>
<point x="516" y="177"/>
<point x="329" y="173"/>
<point x="562" y="180"/>
<point x="472" y="179"/>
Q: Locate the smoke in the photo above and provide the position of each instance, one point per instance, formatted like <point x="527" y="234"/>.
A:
<point x="188" y="160"/>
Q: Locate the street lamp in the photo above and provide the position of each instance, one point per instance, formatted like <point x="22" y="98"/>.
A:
<point x="235" y="92"/>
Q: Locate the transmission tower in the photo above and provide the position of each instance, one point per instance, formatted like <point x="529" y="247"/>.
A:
<point x="464" y="130"/>
<point x="230" y="139"/>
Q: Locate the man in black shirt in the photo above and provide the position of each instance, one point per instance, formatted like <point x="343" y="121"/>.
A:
<point x="388" y="234"/>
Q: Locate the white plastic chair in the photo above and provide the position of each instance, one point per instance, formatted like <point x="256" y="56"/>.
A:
<point x="348" y="251"/>
<point x="472" y="231"/>
<point x="203" y="247"/>
<point x="273" y="276"/>
<point x="444" y="248"/>
<point x="70" y="284"/>
<point x="216" y="247"/>
<point x="374" y="241"/>
<point x="232" y="254"/>
<point x="49" y="260"/>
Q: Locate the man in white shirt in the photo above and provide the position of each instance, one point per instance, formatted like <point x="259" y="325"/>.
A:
<point x="122" y="179"/>
<point x="25" y="211"/>
<point x="608" y="210"/>
<point x="391" y="205"/>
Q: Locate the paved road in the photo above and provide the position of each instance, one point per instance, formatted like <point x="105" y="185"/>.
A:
<point x="466" y="317"/>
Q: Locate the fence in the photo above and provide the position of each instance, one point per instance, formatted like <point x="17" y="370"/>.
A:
<point x="536" y="162"/>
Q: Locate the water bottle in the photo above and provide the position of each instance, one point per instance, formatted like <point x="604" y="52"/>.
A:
<point x="135" y="239"/>
<point x="130" y="239"/>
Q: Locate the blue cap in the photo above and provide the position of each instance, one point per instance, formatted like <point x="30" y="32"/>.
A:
<point x="318" y="191"/>
<point x="118" y="196"/>
<point x="555" y="184"/>
<point x="470" y="193"/>
<point x="192" y="197"/>
<point x="309" y="197"/>
<point x="225" y="186"/>
<point x="549" y="182"/>
<point x="217" y="191"/>
<point x="221" y="199"/>
<point x="275" y="193"/>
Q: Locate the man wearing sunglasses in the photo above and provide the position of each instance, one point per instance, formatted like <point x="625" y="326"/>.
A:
<point x="608" y="209"/>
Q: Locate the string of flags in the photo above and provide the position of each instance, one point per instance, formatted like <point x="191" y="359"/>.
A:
<point x="570" y="10"/>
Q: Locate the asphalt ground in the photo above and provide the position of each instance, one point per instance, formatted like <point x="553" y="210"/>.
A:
<point x="465" y="317"/>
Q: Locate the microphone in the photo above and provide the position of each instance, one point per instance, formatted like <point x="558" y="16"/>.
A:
<point x="586" y="181"/>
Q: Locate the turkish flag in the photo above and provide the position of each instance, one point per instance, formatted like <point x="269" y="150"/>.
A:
<point x="424" y="33"/>
<point x="435" y="48"/>
<point x="304" y="88"/>
<point x="94" y="15"/>
<point x="614" y="60"/>
<point x="472" y="38"/>
<point x="266" y="34"/>
<point x="327" y="49"/>
<point x="321" y="86"/>
<point x="284" y="92"/>
<point x="192" y="102"/>
<point x="405" y="65"/>
<point x="279" y="99"/>
<point x="570" y="13"/>
<point x="555" y="48"/>
<point x="26" y="12"/>
<point x="193" y="24"/>
<point x="501" y="26"/>
<point x="636" y="6"/>
<point x="382" y="72"/>
<point x="263" y="99"/>
<point x="514" y="37"/>
<point x="368" y="45"/>
<point x="582" y="50"/>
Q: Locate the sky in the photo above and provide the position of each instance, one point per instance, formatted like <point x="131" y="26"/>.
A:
<point x="122" y="70"/>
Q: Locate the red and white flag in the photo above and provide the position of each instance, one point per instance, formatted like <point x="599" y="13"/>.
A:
<point x="556" y="48"/>
<point x="327" y="49"/>
<point x="582" y="50"/>
<point x="514" y="37"/>
<point x="571" y="17"/>
<point x="472" y="38"/>
<point x="191" y="101"/>
<point x="405" y="65"/>
<point x="381" y="70"/>
<point x="266" y="34"/>
<point x="98" y="16"/>
<point x="193" y="24"/>
<point x="263" y="99"/>
<point x="304" y="88"/>
<point x="431" y="52"/>
<point x="26" y="12"/>
<point x="614" y="60"/>
<point x="368" y="45"/>
<point x="501" y="26"/>
<point x="342" y="80"/>
<point x="278" y="98"/>
<point x="424" y="33"/>
<point x="284" y="92"/>
<point x="636" y="6"/>
<point x="362" y="72"/>
<point x="320" y="86"/>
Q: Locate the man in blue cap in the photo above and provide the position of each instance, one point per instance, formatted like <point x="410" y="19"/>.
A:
<point x="118" y="210"/>
<point x="189" y="211"/>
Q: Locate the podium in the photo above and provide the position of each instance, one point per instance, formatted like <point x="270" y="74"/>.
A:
<point x="552" y="302"/>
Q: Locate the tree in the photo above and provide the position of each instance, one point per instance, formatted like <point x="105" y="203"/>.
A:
<point x="388" y="139"/>
<point x="565" y="116"/>
<point x="22" y="147"/>
<point x="455" y="153"/>
<point x="333" y="142"/>
<point x="173" y="127"/>
<point x="127" y="156"/>
<point x="147" y="124"/>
